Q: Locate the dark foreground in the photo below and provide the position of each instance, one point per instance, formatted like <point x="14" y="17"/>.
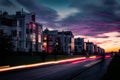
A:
<point x="94" y="73"/>
<point x="62" y="71"/>
<point x="113" y="72"/>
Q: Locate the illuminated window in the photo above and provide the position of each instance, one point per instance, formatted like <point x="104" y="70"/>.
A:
<point x="45" y="38"/>
<point x="39" y="38"/>
<point x="32" y="25"/>
<point x="44" y="44"/>
<point x="57" y="43"/>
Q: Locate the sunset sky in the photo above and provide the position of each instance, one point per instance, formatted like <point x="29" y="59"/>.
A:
<point x="95" y="20"/>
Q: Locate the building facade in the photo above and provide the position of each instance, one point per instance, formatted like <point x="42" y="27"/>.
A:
<point x="25" y="32"/>
<point x="95" y="49"/>
<point x="58" y="42"/>
<point x="79" y="46"/>
<point x="66" y="40"/>
<point x="100" y="51"/>
<point x="90" y="48"/>
<point x="49" y="41"/>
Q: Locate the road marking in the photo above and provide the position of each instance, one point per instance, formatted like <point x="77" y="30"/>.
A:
<point x="92" y="63"/>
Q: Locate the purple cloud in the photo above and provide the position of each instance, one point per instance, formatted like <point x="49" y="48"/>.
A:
<point x="94" y="16"/>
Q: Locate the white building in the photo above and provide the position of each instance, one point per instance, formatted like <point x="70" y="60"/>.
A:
<point x="58" y="42"/>
<point x="49" y="40"/>
<point x="90" y="48"/>
<point x="66" y="39"/>
<point x="26" y="33"/>
<point x="100" y="51"/>
<point x="79" y="45"/>
<point x="95" y="49"/>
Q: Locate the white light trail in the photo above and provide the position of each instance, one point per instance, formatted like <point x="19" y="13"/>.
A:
<point x="39" y="64"/>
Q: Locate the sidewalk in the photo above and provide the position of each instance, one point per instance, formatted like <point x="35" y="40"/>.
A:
<point x="95" y="72"/>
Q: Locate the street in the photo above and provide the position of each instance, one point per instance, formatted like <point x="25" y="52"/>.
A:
<point x="62" y="71"/>
<point x="95" y="73"/>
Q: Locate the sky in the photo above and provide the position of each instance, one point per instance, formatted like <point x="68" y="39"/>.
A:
<point x="95" y="20"/>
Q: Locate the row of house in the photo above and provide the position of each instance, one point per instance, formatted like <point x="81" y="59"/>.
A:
<point x="87" y="48"/>
<point x="58" y="42"/>
<point x="63" y="42"/>
<point x="25" y="32"/>
<point x="28" y="36"/>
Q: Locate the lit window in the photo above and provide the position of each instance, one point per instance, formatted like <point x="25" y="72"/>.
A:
<point x="44" y="44"/>
<point x="56" y="43"/>
<point x="32" y="25"/>
<point x="45" y="37"/>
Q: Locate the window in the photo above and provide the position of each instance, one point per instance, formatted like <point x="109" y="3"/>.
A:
<point x="27" y="31"/>
<point x="45" y="44"/>
<point x="69" y="40"/>
<point x="45" y="38"/>
<point x="14" y="33"/>
<point x="50" y="38"/>
<point x="26" y="44"/>
<point x="20" y="33"/>
<point x="14" y="22"/>
<point x="31" y="30"/>
<point x="21" y="22"/>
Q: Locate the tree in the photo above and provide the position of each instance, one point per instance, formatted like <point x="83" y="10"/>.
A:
<point x="6" y="44"/>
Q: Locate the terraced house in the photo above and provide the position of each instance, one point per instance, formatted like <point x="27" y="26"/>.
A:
<point x="26" y="33"/>
<point x="58" y="42"/>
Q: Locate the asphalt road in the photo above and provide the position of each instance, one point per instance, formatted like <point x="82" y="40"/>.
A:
<point x="94" y="73"/>
<point x="62" y="71"/>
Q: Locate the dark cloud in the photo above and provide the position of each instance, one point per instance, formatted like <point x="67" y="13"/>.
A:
<point x="97" y="17"/>
<point x="6" y="3"/>
<point x="94" y="16"/>
<point x="42" y="12"/>
<point x="54" y="2"/>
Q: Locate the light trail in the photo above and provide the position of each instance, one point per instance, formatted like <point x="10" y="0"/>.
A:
<point x="40" y="64"/>
<point x="73" y="60"/>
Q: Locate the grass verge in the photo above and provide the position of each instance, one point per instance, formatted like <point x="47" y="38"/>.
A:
<point x="23" y="60"/>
